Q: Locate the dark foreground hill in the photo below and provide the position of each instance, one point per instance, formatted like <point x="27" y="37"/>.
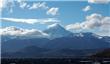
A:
<point x="103" y="54"/>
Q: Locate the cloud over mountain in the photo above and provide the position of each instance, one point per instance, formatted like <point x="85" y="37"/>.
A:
<point x="14" y="31"/>
<point x="92" y="22"/>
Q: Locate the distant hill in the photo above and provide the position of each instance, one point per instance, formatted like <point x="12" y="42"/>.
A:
<point x="37" y="52"/>
<point x="14" y="45"/>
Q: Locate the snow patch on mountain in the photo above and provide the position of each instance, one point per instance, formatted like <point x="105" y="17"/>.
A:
<point x="57" y="31"/>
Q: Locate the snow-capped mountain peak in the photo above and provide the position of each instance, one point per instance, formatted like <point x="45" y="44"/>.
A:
<point x="56" y="31"/>
<point x="56" y="25"/>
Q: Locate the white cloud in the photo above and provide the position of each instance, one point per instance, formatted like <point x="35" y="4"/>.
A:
<point x="32" y="21"/>
<point x="14" y="31"/>
<point x="87" y="8"/>
<point x="39" y="5"/>
<point x="19" y="1"/>
<point x="23" y="5"/>
<point x="36" y="5"/>
<point x="53" y="11"/>
<point x="1" y="3"/>
<point x="74" y="26"/>
<point x="94" y="21"/>
<point x="99" y="1"/>
<point x="7" y="4"/>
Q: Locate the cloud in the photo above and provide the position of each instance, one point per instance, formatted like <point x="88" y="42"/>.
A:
<point x="9" y="4"/>
<point x="74" y="26"/>
<point x="99" y="1"/>
<point x="14" y="31"/>
<point x="87" y="8"/>
<point x="92" y="21"/>
<point x="39" y="5"/>
<point x="53" y="11"/>
<point x="1" y="3"/>
<point x="95" y="22"/>
<point x="31" y="21"/>
<point x="20" y="1"/>
<point x="23" y="4"/>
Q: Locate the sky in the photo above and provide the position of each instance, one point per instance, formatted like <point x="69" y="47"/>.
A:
<point x="76" y="16"/>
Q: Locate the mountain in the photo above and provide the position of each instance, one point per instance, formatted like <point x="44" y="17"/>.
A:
<point x="78" y="45"/>
<point x="88" y="41"/>
<point x="14" y="45"/>
<point x="37" y="52"/>
<point x="59" y="43"/>
<point x="31" y="51"/>
<point x="5" y="38"/>
<point x="57" y="31"/>
<point x="106" y="38"/>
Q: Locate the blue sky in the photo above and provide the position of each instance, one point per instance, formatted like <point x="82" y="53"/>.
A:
<point x="68" y="12"/>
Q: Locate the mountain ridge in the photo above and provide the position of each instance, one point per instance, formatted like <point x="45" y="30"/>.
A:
<point x="60" y="40"/>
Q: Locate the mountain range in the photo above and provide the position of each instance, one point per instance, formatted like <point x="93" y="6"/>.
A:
<point x="59" y="43"/>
